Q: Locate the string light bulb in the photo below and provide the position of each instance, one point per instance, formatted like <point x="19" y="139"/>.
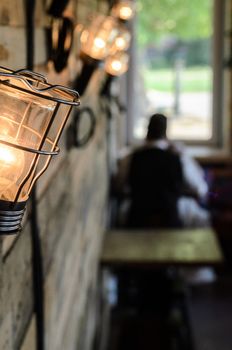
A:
<point x="97" y="39"/>
<point x="117" y="64"/>
<point x="122" y="40"/>
<point x="96" y="42"/>
<point x="124" y="10"/>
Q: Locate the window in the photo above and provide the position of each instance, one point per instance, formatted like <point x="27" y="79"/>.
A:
<point x="181" y="66"/>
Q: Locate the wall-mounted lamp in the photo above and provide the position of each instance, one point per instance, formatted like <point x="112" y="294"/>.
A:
<point x="97" y="39"/>
<point x="123" y="10"/>
<point x="32" y="117"/>
<point x="115" y="66"/>
<point x="96" y="42"/>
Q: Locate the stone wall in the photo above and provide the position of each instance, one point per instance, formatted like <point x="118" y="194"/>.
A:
<point x="71" y="203"/>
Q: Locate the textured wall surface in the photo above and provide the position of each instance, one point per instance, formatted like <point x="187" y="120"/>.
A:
<point x="71" y="208"/>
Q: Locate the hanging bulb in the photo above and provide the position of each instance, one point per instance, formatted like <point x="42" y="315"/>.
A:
<point x="122" y="41"/>
<point x="124" y="10"/>
<point x="11" y="161"/>
<point x="117" y="64"/>
<point x="99" y="43"/>
<point x="97" y="39"/>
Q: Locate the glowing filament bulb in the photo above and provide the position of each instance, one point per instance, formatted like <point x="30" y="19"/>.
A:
<point x="6" y="155"/>
<point x="124" y="9"/>
<point x="116" y="65"/>
<point x="99" y="43"/>
<point x="125" y="12"/>
<point x="120" y="43"/>
<point x="11" y="168"/>
<point x="11" y="163"/>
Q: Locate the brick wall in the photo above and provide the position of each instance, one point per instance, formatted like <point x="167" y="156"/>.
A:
<point x="71" y="207"/>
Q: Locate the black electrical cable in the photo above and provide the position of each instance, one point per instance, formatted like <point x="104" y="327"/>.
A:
<point x="59" y="50"/>
<point x="37" y="273"/>
<point x="57" y="7"/>
<point x="37" y="264"/>
<point x="29" y="12"/>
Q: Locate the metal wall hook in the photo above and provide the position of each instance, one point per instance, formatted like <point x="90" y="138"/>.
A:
<point x="82" y="128"/>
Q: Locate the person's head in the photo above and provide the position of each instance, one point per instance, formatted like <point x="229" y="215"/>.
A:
<point x="157" y="127"/>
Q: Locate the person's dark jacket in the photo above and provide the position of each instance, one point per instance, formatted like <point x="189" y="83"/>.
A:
<point x="156" y="182"/>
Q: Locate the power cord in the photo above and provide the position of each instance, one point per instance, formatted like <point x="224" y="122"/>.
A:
<point x="37" y="263"/>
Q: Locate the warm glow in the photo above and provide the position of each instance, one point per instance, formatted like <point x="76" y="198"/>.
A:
<point x="124" y="10"/>
<point x="99" y="43"/>
<point x="116" y="65"/>
<point x="29" y="133"/>
<point x="98" y="38"/>
<point x="84" y="36"/>
<point x="125" y="13"/>
<point x="6" y="155"/>
<point x="29" y="130"/>
<point x="120" y="43"/>
<point x="11" y="167"/>
<point x="55" y="33"/>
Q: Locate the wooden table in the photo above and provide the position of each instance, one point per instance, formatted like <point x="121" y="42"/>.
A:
<point x="185" y="247"/>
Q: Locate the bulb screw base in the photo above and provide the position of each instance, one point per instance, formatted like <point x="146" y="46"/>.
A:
<point x="11" y="215"/>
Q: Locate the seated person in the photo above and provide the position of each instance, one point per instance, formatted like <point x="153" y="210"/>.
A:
<point x="165" y="184"/>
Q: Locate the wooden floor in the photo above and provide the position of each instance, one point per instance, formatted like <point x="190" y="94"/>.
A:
<point x="151" y="314"/>
<point x="211" y="315"/>
<point x="210" y="318"/>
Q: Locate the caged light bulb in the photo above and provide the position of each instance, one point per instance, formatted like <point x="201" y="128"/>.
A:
<point x="32" y="117"/>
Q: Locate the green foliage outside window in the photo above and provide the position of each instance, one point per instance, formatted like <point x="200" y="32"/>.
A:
<point x="187" y="20"/>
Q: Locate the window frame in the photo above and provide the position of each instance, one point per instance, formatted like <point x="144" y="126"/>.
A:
<point x="221" y="87"/>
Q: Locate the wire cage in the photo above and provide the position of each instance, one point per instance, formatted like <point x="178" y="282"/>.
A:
<point x="32" y="117"/>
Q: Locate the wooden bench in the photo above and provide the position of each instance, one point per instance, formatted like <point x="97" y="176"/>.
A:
<point x="160" y="247"/>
